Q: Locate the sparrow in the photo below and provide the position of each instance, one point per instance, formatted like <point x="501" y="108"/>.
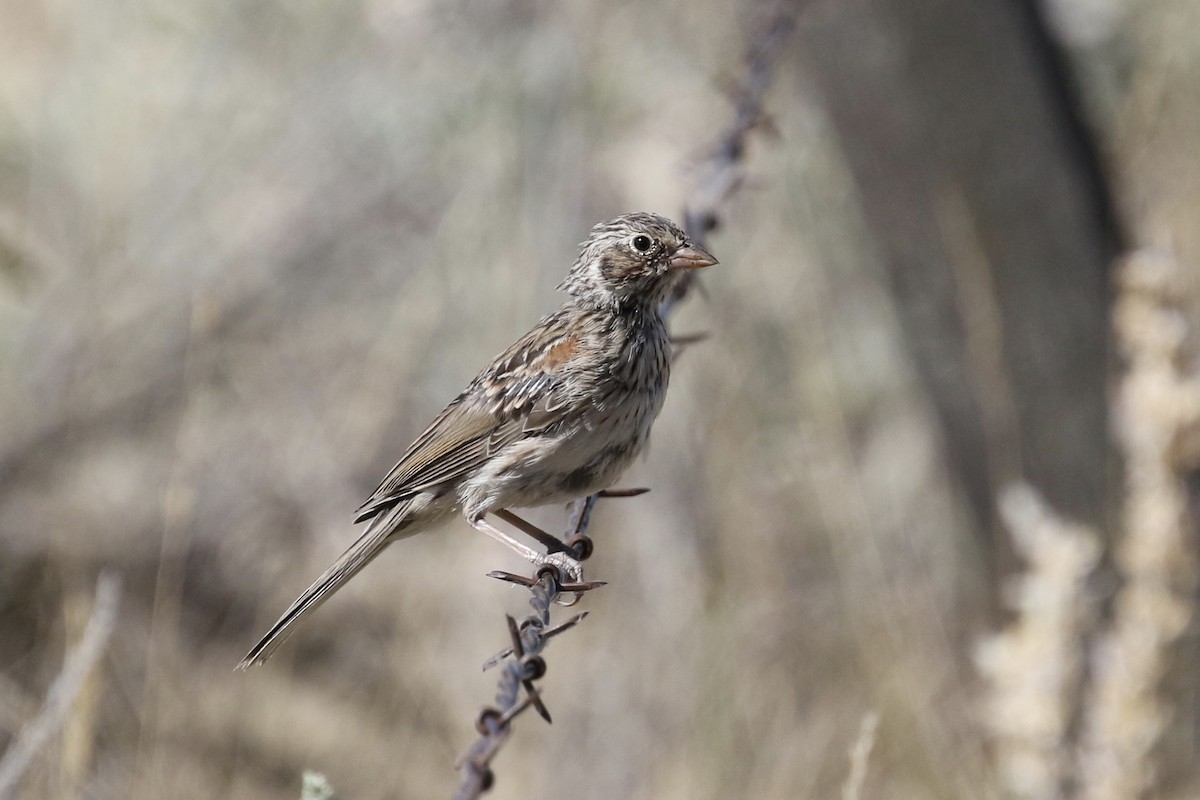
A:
<point x="558" y="415"/>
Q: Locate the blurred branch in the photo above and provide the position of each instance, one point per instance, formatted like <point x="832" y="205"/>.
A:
<point x="718" y="176"/>
<point x="66" y="686"/>
<point x="939" y="161"/>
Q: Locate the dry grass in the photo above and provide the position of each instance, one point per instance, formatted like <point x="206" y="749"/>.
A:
<point x="1157" y="418"/>
<point x="1034" y="668"/>
<point x="1054" y="733"/>
<point x="246" y="251"/>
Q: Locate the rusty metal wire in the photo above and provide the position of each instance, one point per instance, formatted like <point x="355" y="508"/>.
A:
<point x="526" y="665"/>
<point x="718" y="176"/>
<point x="719" y="173"/>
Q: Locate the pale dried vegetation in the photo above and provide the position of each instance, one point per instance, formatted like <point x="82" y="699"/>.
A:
<point x="1035" y="670"/>
<point x="247" y="250"/>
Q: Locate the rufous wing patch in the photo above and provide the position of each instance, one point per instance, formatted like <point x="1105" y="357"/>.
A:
<point x="561" y="353"/>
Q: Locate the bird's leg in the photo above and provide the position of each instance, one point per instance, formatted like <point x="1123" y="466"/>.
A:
<point x="556" y="550"/>
<point x="571" y="568"/>
<point x="524" y="551"/>
<point x="551" y="542"/>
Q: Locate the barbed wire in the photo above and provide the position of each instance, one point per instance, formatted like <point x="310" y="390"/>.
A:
<point x="719" y="174"/>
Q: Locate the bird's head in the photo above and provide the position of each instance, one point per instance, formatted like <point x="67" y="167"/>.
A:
<point x="633" y="261"/>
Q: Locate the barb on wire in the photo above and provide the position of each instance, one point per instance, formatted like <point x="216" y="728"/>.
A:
<point x="718" y="175"/>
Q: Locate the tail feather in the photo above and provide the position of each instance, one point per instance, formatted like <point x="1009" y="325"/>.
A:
<point x="357" y="556"/>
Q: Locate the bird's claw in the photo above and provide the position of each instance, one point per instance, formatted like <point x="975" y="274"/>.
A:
<point x="570" y="569"/>
<point x="571" y="572"/>
<point x="575" y="598"/>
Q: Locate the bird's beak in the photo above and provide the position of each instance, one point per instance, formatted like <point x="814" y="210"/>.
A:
<point x="691" y="257"/>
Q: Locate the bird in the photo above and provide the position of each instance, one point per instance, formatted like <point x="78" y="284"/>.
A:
<point x="557" y="416"/>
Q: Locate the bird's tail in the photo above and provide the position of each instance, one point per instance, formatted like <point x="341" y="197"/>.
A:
<point x="377" y="536"/>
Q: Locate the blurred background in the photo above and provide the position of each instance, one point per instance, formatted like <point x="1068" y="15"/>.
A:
<point x="248" y="250"/>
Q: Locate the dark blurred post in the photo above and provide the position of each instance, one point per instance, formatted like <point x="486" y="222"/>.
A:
<point x="981" y="191"/>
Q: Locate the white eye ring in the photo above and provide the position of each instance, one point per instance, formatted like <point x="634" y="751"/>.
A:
<point x="641" y="243"/>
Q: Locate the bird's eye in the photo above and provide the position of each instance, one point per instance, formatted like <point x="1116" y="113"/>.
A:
<point x="641" y="243"/>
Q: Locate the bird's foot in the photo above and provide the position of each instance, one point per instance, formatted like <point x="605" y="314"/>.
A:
<point x="564" y="557"/>
<point x="570" y="569"/>
<point x="570" y="577"/>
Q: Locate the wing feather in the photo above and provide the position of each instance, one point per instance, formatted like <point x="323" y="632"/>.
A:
<point x="520" y="393"/>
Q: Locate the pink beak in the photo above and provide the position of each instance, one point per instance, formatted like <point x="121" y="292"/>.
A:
<point x="692" y="257"/>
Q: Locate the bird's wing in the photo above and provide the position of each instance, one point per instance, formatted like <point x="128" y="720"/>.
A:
<point x="519" y="393"/>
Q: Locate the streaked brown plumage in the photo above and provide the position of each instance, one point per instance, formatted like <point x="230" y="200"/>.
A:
<point x="558" y="415"/>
